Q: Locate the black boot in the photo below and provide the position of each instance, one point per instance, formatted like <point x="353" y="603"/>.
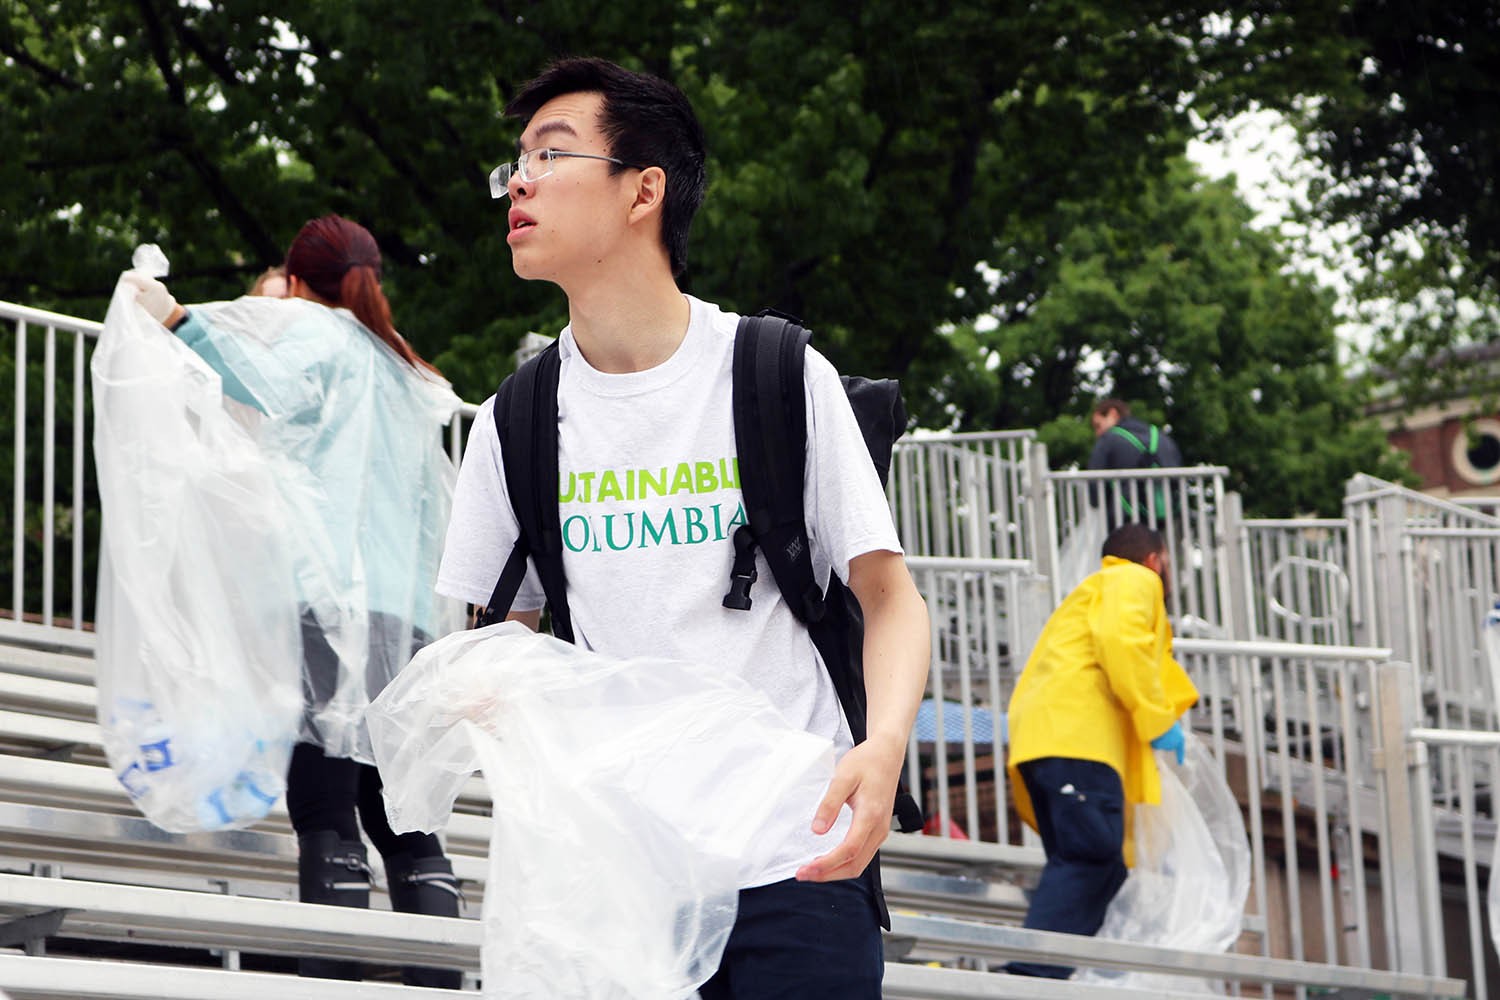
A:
<point x="336" y="873"/>
<point x="425" y="885"/>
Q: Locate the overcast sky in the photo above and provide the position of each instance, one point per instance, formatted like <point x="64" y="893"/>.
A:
<point x="1260" y="149"/>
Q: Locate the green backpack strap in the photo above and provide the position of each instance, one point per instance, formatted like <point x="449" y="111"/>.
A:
<point x="1149" y="453"/>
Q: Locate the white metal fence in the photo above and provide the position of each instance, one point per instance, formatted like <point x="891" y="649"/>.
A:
<point x="984" y="613"/>
<point x="963" y="495"/>
<point x="52" y="519"/>
<point x="1425" y="573"/>
<point x="1285" y="625"/>
<point x="1186" y="505"/>
<point x="53" y="513"/>
<point x="1466" y="831"/>
<point x="1300" y="568"/>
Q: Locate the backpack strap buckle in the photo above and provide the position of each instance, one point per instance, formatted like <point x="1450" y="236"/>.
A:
<point x="742" y="574"/>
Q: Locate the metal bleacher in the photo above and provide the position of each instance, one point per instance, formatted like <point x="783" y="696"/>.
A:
<point x="96" y="902"/>
<point x="80" y="870"/>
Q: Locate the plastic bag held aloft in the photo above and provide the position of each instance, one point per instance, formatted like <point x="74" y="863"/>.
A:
<point x="629" y="797"/>
<point x="198" y="651"/>
<point x="1191" y="874"/>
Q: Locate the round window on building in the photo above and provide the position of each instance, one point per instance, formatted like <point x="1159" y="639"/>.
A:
<point x="1476" y="452"/>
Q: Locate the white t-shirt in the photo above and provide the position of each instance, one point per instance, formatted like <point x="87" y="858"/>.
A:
<point x="649" y="499"/>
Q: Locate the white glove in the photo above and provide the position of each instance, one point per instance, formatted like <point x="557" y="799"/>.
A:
<point x="151" y="294"/>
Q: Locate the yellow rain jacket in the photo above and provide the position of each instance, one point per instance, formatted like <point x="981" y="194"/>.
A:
<point x="1101" y="684"/>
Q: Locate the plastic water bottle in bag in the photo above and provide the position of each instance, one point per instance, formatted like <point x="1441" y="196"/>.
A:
<point x="180" y="782"/>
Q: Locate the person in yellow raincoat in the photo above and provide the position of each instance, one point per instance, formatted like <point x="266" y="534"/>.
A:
<point x="1099" y="692"/>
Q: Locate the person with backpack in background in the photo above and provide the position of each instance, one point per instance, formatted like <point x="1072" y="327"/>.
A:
<point x="1099" y="692"/>
<point x="644" y="494"/>
<point x="357" y="417"/>
<point x="1125" y="442"/>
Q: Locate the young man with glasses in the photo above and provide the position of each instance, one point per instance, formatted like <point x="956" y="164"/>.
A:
<point x="609" y="174"/>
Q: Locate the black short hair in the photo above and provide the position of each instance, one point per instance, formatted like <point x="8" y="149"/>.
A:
<point x="646" y="121"/>
<point x="1133" y="541"/>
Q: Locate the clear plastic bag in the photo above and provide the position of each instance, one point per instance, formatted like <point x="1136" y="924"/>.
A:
<point x="367" y="485"/>
<point x="200" y="690"/>
<point x="1191" y="875"/>
<point x="1491" y="639"/>
<point x="629" y="798"/>
<point x="1493" y="895"/>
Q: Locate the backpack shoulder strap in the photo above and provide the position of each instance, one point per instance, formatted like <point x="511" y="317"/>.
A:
<point x="1136" y="442"/>
<point x="526" y="422"/>
<point x="1148" y="458"/>
<point x="770" y="432"/>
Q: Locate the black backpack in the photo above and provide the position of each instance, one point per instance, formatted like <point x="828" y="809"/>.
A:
<point x="1150" y="454"/>
<point x="1150" y="458"/>
<point x="770" y="424"/>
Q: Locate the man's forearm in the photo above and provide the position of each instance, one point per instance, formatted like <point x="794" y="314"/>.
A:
<point x="897" y="647"/>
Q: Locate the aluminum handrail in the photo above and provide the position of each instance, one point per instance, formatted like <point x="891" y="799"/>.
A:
<point x="14" y="310"/>
<point x="1455" y="738"/>
<point x="924" y="436"/>
<point x="1018" y="942"/>
<point x="1166" y="472"/>
<point x="1270" y="647"/>
<point x="970" y="565"/>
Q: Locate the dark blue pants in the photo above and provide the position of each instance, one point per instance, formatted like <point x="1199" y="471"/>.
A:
<point x="802" y="941"/>
<point x="1080" y="813"/>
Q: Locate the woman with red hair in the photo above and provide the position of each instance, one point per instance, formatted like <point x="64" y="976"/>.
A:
<point x="352" y="420"/>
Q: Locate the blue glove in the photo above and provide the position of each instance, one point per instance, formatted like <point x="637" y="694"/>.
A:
<point x="1172" y="740"/>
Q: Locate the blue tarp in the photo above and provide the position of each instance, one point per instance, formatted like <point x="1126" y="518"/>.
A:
<point x="981" y="722"/>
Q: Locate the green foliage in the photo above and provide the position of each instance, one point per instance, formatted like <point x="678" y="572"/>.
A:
<point x="1409" y="129"/>
<point x="1427" y="314"/>
<point x="1404" y="123"/>
<point x="1172" y="302"/>
<point x="873" y="167"/>
<point x="864" y="156"/>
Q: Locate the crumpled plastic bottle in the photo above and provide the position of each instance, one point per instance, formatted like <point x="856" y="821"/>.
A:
<point x="149" y="259"/>
<point x="159" y="770"/>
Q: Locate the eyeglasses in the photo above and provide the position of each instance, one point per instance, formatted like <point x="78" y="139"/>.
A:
<point x="534" y="164"/>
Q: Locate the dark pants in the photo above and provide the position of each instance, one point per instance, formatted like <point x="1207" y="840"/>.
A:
<point x="1080" y="813"/>
<point x="802" y="941"/>
<point x="326" y="793"/>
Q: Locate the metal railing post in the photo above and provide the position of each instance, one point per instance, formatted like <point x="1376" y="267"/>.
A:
<point x="1041" y="516"/>
<point x="1237" y="600"/>
<point x="1391" y="586"/>
<point x="1405" y="781"/>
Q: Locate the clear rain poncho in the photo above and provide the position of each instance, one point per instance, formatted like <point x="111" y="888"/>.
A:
<point x="1191" y="875"/>
<point x="274" y="503"/>
<point x="629" y="798"/>
<point x="357" y="435"/>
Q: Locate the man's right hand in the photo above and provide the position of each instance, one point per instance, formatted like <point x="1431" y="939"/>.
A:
<point x="1172" y="740"/>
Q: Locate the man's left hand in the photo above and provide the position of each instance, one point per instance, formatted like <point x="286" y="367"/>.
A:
<point x="865" y="779"/>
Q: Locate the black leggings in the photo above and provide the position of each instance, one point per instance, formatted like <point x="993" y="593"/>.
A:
<point x="325" y="793"/>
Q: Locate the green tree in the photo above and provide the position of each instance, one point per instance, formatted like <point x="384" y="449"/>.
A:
<point x="1401" y="116"/>
<point x="1173" y="302"/>
<point x="864" y="156"/>
<point x="1407" y="124"/>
